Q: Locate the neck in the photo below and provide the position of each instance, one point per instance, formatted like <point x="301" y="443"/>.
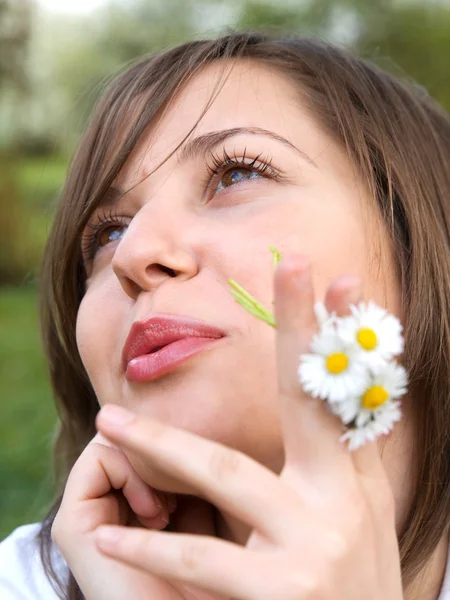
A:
<point x="426" y="586"/>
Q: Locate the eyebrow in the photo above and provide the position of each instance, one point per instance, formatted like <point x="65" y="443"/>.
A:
<point x="207" y="142"/>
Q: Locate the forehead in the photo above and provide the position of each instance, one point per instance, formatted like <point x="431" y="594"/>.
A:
<point x="253" y="95"/>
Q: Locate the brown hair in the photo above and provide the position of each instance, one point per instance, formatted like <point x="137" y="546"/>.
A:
<point x="399" y="140"/>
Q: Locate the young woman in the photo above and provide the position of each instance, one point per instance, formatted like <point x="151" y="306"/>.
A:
<point x="217" y="475"/>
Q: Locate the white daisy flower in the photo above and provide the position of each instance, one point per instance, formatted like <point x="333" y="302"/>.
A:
<point x="386" y="385"/>
<point x="376" y="333"/>
<point x="375" y="411"/>
<point x="386" y="416"/>
<point x="333" y="372"/>
<point x="347" y="410"/>
<point x="389" y="414"/>
<point x="358" y="437"/>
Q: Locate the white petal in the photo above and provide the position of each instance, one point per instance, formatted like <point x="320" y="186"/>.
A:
<point x="387" y="328"/>
<point x="326" y="342"/>
<point x="346" y="410"/>
<point x="357" y="437"/>
<point x="323" y="317"/>
<point x="363" y="417"/>
<point x="393" y="378"/>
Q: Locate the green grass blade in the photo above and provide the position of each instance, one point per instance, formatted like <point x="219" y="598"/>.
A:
<point x="247" y="301"/>
<point x="276" y="256"/>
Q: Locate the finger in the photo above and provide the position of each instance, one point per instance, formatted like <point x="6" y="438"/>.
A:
<point x="214" y="565"/>
<point x="227" y="478"/>
<point x="347" y="290"/>
<point x="342" y="292"/>
<point x="166" y="507"/>
<point x="90" y="500"/>
<point x="111" y="470"/>
<point x="311" y="433"/>
<point x="165" y="503"/>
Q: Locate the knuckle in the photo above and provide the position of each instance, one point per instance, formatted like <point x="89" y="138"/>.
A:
<point x="224" y="463"/>
<point x="107" y="457"/>
<point x="359" y="520"/>
<point x="300" y="586"/>
<point x="97" y="450"/>
<point x="296" y="582"/>
<point x="192" y="556"/>
<point x="288" y="580"/>
<point x="338" y="545"/>
<point x="355" y="530"/>
<point x="139" y="547"/>
<point x="357" y="512"/>
<point x="100" y="440"/>
<point x="90" y="456"/>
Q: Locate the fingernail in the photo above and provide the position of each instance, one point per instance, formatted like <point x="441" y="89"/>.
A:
<point x="107" y="536"/>
<point x="163" y="512"/>
<point x="352" y="288"/>
<point x="114" y="415"/>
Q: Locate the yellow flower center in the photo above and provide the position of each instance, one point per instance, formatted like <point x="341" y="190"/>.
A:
<point x="367" y="338"/>
<point x="375" y="397"/>
<point x="337" y="363"/>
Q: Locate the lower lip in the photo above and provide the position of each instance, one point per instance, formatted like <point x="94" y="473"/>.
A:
<point x="151" y="366"/>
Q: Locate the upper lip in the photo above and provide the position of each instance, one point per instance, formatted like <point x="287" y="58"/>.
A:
<point x="162" y="329"/>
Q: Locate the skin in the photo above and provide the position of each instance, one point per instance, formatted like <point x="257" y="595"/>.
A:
<point x="228" y="393"/>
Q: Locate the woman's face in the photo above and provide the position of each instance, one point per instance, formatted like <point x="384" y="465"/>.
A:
<point x="209" y="229"/>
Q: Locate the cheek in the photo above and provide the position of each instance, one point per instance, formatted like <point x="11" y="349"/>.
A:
<point x="341" y="234"/>
<point x="86" y="334"/>
<point x="95" y="330"/>
<point x="324" y="228"/>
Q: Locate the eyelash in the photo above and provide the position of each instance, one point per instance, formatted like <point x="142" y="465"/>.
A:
<point x="223" y="162"/>
<point x="220" y="164"/>
<point x="90" y="241"/>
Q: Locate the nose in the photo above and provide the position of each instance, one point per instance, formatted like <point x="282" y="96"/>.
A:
<point x="150" y="253"/>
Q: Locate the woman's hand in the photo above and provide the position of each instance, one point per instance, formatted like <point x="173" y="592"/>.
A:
<point x="323" y="529"/>
<point x="103" y="488"/>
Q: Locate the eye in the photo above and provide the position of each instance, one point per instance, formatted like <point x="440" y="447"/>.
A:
<point x="111" y="234"/>
<point x="236" y="175"/>
<point x="108" y="228"/>
<point x="228" y="171"/>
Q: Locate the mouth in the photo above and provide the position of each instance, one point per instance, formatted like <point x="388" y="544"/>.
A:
<point x="159" y="344"/>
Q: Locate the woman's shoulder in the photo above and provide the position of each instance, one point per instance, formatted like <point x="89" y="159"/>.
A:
<point x="22" y="575"/>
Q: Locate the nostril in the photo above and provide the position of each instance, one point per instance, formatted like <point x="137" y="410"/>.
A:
<point x="156" y="267"/>
<point x="169" y="271"/>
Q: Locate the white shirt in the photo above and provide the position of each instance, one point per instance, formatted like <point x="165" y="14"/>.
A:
<point x="22" y="576"/>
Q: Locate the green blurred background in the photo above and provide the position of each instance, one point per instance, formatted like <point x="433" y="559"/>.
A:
<point x="54" y="57"/>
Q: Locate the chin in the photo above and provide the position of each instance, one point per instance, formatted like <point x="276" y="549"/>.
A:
<point x="196" y="404"/>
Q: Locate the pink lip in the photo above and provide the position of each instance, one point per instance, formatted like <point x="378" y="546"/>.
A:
<point x="179" y="338"/>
